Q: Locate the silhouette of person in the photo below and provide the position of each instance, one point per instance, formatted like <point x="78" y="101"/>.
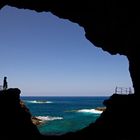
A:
<point x="5" y="85"/>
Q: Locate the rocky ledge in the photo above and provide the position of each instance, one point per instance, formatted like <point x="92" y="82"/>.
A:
<point x="36" y="121"/>
<point x="15" y="118"/>
<point x="100" y="108"/>
<point x="119" y="120"/>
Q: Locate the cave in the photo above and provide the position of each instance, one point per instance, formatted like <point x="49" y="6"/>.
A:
<point x="114" y="27"/>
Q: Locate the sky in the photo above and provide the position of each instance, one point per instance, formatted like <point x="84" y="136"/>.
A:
<point x="44" y="55"/>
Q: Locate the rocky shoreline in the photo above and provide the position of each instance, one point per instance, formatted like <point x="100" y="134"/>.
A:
<point x="100" y="108"/>
<point x="117" y="116"/>
<point x="36" y="121"/>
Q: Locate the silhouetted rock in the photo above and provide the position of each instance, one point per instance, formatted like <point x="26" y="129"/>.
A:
<point x="112" y="25"/>
<point x="109" y="24"/>
<point x="118" y="121"/>
<point x="15" y="118"/>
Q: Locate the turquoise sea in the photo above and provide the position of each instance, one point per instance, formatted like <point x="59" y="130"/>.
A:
<point x="64" y="114"/>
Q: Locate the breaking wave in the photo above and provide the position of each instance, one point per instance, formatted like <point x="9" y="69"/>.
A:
<point x="48" y="118"/>
<point x="38" y="102"/>
<point x="90" y="111"/>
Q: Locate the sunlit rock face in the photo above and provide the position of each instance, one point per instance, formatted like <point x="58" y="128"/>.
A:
<point x="113" y="26"/>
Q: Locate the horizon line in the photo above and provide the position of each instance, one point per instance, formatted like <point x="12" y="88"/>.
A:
<point x="66" y="96"/>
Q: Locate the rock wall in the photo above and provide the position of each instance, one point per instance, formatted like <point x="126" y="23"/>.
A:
<point x="109" y="24"/>
<point x="15" y="118"/>
<point x="117" y="122"/>
<point x="113" y="26"/>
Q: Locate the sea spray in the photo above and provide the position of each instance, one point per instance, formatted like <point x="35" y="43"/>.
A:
<point x="37" y="102"/>
<point x="90" y="111"/>
<point x="49" y="118"/>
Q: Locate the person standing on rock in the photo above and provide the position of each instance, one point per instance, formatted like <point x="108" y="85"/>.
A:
<point x="5" y="85"/>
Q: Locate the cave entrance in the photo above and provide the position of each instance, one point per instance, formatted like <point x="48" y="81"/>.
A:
<point x="47" y="56"/>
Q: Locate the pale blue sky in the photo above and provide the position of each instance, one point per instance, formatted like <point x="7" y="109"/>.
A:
<point x="44" y="55"/>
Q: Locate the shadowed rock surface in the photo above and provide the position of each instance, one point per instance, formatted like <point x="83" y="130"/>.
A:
<point x="112" y="25"/>
<point x="15" y="118"/>
<point x="109" y="24"/>
<point x="117" y="122"/>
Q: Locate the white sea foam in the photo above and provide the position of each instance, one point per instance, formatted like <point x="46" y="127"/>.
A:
<point x="39" y="102"/>
<point x="49" y="118"/>
<point x="90" y="111"/>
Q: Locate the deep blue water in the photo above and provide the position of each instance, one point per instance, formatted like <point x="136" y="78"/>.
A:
<point x="64" y="114"/>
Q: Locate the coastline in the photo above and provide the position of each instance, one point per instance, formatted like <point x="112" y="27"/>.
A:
<point x="100" y="108"/>
<point x="36" y="121"/>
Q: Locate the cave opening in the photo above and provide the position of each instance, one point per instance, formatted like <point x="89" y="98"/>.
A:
<point x="74" y="68"/>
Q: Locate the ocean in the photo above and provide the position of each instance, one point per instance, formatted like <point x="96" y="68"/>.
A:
<point x="64" y="114"/>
